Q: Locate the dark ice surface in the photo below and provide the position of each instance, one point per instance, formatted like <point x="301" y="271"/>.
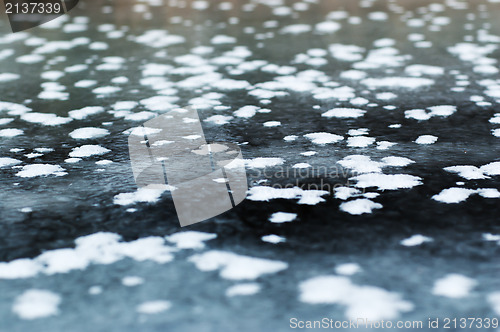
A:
<point x="322" y="237"/>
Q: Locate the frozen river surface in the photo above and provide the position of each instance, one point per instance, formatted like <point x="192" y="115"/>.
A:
<point x="371" y="136"/>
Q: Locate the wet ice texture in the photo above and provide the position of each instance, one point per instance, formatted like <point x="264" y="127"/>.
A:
<point x="408" y="118"/>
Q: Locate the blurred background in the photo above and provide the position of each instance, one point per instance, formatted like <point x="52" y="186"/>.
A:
<point x="344" y="91"/>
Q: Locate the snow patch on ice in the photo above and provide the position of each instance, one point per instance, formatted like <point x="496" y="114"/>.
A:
<point x="88" y="132"/>
<point x="370" y="302"/>
<point x="34" y="170"/>
<point x="309" y="197"/>
<point x="360" y="206"/>
<point x="454" y="286"/>
<point x="236" y="267"/>
<point x="243" y="289"/>
<point x="10" y="132"/>
<point x="387" y="181"/>
<point x="88" y="151"/>
<point x="456" y="195"/>
<point x="426" y="139"/>
<point x="415" y="240"/>
<point x="47" y="119"/>
<point x="153" y="307"/>
<point x="36" y="303"/>
<point x="190" y="239"/>
<point x="467" y="172"/>
<point x="348" y="269"/>
<point x="422" y="115"/>
<point x="360" y="141"/>
<point x="282" y="217"/>
<point x="6" y="161"/>
<point x="344" y="113"/>
<point x="83" y="113"/>
<point x="324" y="138"/>
<point x="142" y="195"/>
